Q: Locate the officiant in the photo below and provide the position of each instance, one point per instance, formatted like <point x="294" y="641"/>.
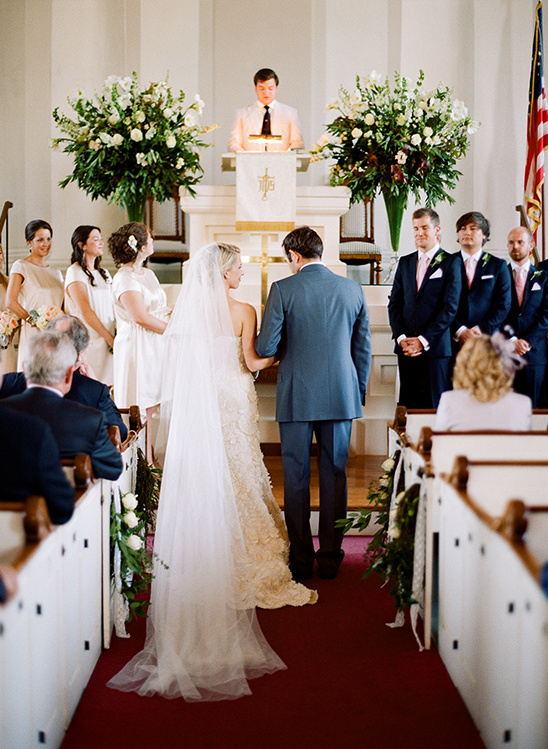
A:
<point x="266" y="116"/>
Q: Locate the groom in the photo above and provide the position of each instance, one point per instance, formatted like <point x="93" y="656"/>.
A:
<point x="317" y="324"/>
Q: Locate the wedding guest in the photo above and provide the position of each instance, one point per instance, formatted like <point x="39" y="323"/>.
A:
<point x="482" y="396"/>
<point x="142" y="313"/>
<point x="84" y="389"/>
<point x="30" y="462"/>
<point x="485" y="282"/>
<point x="421" y="309"/>
<point x="33" y="282"/>
<point x="528" y="316"/>
<point x="10" y="354"/>
<point x="48" y="364"/>
<point x="88" y="296"/>
<point x="266" y="116"/>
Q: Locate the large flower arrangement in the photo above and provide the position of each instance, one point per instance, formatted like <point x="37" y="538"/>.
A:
<point x="396" y="141"/>
<point x="128" y="144"/>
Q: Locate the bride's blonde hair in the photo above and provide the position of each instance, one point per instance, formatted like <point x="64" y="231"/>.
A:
<point x="229" y="254"/>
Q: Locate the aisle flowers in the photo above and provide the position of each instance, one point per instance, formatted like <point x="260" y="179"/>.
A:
<point x="396" y="141"/>
<point x="128" y="144"/>
<point x="9" y="325"/>
<point x="131" y="560"/>
<point x="391" y="550"/>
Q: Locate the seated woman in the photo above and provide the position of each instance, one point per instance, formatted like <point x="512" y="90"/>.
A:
<point x="482" y="398"/>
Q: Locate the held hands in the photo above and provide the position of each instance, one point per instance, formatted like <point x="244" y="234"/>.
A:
<point x="412" y="346"/>
<point x="521" y="346"/>
<point x="468" y="334"/>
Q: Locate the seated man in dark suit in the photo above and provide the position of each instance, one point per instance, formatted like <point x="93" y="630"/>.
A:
<point x="84" y="389"/>
<point x="485" y="297"/>
<point x="30" y="464"/>
<point x="48" y="365"/>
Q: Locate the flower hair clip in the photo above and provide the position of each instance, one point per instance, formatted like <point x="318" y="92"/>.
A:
<point x="504" y="348"/>
<point x="132" y="242"/>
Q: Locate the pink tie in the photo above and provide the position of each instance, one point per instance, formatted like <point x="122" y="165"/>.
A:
<point x="422" y="268"/>
<point x="470" y="265"/>
<point x="520" y="278"/>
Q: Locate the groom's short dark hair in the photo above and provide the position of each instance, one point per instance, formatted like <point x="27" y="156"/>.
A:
<point x="305" y="241"/>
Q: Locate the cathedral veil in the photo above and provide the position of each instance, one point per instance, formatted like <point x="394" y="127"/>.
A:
<point x="203" y="640"/>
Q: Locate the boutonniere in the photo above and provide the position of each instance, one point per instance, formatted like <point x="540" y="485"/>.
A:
<point x="440" y="257"/>
<point x="485" y="259"/>
<point x="536" y="274"/>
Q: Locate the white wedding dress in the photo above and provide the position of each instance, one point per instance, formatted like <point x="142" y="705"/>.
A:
<point x="217" y="529"/>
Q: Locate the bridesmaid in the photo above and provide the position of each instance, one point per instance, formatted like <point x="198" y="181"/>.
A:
<point x="88" y="296"/>
<point x="141" y="310"/>
<point x="32" y="282"/>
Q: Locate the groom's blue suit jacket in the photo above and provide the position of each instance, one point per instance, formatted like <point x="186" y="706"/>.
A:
<point x="317" y="324"/>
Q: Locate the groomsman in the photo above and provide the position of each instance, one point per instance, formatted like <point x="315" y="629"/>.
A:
<point x="422" y="306"/>
<point x="528" y="314"/>
<point x="485" y="297"/>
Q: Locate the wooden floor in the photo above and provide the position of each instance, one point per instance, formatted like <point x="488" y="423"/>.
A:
<point x="361" y="471"/>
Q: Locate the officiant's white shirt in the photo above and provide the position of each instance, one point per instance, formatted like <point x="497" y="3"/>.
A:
<point x="284" y="121"/>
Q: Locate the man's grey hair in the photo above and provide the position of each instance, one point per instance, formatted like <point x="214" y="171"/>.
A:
<point x="71" y="326"/>
<point x="47" y="358"/>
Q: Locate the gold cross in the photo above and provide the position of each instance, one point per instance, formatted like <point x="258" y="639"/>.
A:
<point x="264" y="259"/>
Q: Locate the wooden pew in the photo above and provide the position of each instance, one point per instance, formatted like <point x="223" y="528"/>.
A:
<point x="493" y="615"/>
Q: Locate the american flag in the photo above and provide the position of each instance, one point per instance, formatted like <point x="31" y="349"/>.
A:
<point x="537" y="131"/>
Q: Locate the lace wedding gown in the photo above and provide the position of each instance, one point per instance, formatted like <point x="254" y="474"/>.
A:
<point x="218" y="529"/>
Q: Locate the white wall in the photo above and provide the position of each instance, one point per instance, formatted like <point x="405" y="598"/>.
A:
<point x="481" y="48"/>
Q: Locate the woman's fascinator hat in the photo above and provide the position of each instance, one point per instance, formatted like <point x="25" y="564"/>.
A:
<point x="503" y="344"/>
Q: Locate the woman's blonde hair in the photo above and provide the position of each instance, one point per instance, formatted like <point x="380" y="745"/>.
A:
<point x="479" y="369"/>
<point x="229" y="254"/>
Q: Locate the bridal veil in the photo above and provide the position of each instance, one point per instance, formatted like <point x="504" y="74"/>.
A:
<point x="203" y="640"/>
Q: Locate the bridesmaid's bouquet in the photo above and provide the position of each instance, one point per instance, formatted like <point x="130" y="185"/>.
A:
<point x="39" y="318"/>
<point x="9" y="325"/>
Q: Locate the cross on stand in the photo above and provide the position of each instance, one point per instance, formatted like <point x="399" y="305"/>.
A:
<point x="264" y="259"/>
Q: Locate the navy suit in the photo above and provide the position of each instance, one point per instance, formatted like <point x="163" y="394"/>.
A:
<point x="76" y="428"/>
<point x="30" y="464"/>
<point x="487" y="302"/>
<point x="428" y="312"/>
<point x="83" y="390"/>
<point x="317" y="324"/>
<point x="530" y="322"/>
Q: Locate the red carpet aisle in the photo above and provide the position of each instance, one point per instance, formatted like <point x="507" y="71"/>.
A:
<point x="351" y="682"/>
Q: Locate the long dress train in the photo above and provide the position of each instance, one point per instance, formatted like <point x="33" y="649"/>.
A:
<point x="203" y="640"/>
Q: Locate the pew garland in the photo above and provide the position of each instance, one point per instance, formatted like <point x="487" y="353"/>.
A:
<point x="391" y="550"/>
<point x="147" y="487"/>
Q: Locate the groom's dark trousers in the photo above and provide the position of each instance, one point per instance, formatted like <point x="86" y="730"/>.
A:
<point x="317" y="324"/>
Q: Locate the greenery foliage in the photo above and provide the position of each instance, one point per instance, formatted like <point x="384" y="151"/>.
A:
<point x="396" y="141"/>
<point x="391" y="550"/>
<point x="128" y="144"/>
<point x="147" y="487"/>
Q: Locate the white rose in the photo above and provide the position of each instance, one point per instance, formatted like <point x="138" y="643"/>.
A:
<point x="131" y="519"/>
<point x="428" y="132"/>
<point x="140" y="116"/>
<point x="136" y="134"/>
<point x="114" y="118"/>
<point x="117" y="139"/>
<point x="356" y="133"/>
<point x="399" y="498"/>
<point x="369" y="119"/>
<point x="389" y="462"/>
<point x="401" y="120"/>
<point x="106" y="138"/>
<point x="167" y="113"/>
<point x="135" y="542"/>
<point x="416" y="139"/>
<point x="129" y="501"/>
<point x="394" y="532"/>
<point x="436" y="140"/>
<point x="150" y="133"/>
<point x="171" y="141"/>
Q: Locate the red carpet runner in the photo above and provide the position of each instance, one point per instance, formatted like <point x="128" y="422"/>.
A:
<point x="351" y="681"/>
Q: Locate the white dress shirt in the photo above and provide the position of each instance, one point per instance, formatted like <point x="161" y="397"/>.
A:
<point x="284" y="121"/>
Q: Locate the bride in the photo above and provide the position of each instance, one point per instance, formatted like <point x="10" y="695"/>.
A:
<point x="219" y="530"/>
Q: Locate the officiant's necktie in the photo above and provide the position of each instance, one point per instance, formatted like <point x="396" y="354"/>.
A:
<point x="421" y="269"/>
<point x="266" y="122"/>
<point x="470" y="265"/>
<point x="520" y="279"/>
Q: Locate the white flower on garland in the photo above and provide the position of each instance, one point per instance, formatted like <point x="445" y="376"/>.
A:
<point x="135" y="542"/>
<point x="129" y="500"/>
<point x="131" y="519"/>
